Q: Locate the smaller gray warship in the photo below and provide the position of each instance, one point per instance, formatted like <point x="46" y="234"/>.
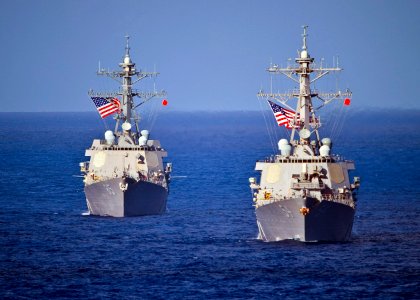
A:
<point x="304" y="192"/>
<point x="125" y="175"/>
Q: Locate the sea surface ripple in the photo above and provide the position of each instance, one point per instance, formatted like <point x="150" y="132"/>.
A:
<point x="206" y="245"/>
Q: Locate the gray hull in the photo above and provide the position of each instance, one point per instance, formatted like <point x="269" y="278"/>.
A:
<point x="141" y="198"/>
<point x="326" y="221"/>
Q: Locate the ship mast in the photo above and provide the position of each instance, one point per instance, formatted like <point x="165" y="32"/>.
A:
<point x="305" y="118"/>
<point x="304" y="101"/>
<point x="126" y="92"/>
<point x="128" y="70"/>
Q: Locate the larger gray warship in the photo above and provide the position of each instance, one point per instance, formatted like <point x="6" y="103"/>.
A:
<point x="304" y="192"/>
<point x="125" y="175"/>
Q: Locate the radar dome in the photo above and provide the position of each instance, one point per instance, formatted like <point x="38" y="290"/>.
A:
<point x="304" y="54"/>
<point x="324" y="150"/>
<point x="142" y="141"/>
<point x="326" y="141"/>
<point x="282" y="142"/>
<point x="127" y="60"/>
<point x="284" y="147"/>
<point x="109" y="137"/>
<point x="126" y="126"/>
<point x="286" y="150"/>
<point x="304" y="133"/>
<point x="145" y="133"/>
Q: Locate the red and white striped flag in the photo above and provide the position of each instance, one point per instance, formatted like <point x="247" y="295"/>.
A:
<point x="106" y="106"/>
<point x="284" y="117"/>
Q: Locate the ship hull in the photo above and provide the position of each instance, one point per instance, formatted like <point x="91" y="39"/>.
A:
<point x="326" y="221"/>
<point x="106" y="198"/>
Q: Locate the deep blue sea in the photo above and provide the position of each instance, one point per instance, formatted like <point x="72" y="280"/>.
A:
<point x="206" y="245"/>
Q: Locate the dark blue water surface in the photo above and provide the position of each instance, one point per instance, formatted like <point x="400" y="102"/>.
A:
<point x="206" y="245"/>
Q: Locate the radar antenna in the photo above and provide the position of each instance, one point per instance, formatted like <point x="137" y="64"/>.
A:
<point x="300" y="72"/>
<point x="305" y="27"/>
<point x="126" y="92"/>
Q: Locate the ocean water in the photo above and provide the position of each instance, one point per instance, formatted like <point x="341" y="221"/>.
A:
<point x="206" y="245"/>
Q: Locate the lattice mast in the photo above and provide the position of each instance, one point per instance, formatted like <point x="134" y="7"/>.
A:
<point x="126" y="92"/>
<point x="305" y="112"/>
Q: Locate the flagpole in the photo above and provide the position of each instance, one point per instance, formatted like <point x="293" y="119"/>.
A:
<point x="300" y="73"/>
<point x="126" y="92"/>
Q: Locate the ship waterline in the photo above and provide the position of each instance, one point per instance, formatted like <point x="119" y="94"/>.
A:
<point x="323" y="221"/>
<point x="117" y="199"/>
<point x="126" y="175"/>
<point x="304" y="191"/>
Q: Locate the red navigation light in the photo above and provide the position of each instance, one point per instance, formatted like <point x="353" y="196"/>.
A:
<point x="347" y="102"/>
<point x="164" y="102"/>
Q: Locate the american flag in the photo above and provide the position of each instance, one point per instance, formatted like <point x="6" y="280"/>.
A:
<point x="283" y="116"/>
<point x="106" y="106"/>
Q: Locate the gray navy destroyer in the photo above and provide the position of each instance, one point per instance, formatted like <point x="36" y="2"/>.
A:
<point x="304" y="192"/>
<point x="125" y="175"/>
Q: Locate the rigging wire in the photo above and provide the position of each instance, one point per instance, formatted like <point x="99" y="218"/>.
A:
<point x="340" y="125"/>
<point x="283" y="131"/>
<point x="343" y="110"/>
<point x="150" y="109"/>
<point x="341" y="116"/>
<point x="340" y="128"/>
<point x="104" y="85"/>
<point x="266" y="123"/>
<point x="105" y="124"/>
<point x="273" y="126"/>
<point x="153" y="108"/>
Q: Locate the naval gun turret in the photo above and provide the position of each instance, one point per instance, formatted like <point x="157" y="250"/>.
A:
<point x="125" y="175"/>
<point x="304" y="192"/>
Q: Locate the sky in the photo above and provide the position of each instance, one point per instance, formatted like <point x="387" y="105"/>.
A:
<point x="211" y="55"/>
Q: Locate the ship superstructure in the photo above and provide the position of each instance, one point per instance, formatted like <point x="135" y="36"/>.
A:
<point x="126" y="175"/>
<point x="304" y="192"/>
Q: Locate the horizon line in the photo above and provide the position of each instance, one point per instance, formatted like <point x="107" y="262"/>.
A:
<point x="358" y="109"/>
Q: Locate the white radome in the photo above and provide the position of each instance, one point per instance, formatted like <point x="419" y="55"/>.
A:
<point x="127" y="60"/>
<point x="145" y="133"/>
<point x="282" y="142"/>
<point x="326" y="141"/>
<point x="142" y="141"/>
<point x="126" y="126"/>
<point x="304" y="133"/>
<point x="109" y="137"/>
<point x="324" y="150"/>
